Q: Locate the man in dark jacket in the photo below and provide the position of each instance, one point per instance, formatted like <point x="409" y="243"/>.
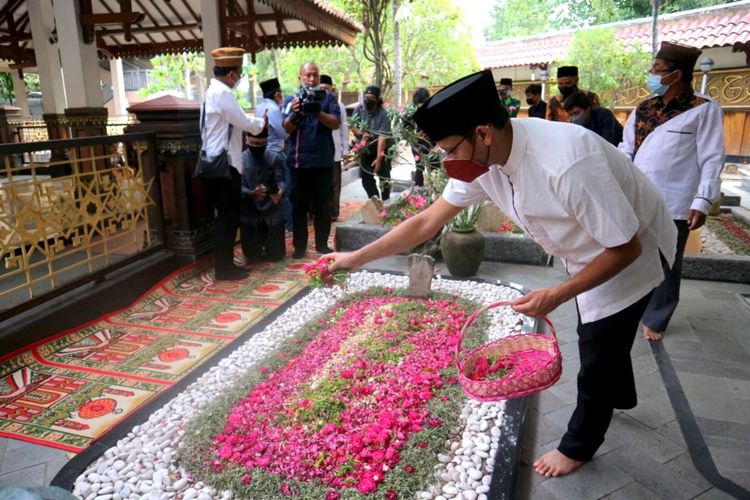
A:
<point x="309" y="118"/>
<point x="263" y="186"/>
<point x="599" y="120"/>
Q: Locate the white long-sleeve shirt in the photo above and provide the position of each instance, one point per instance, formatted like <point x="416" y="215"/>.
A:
<point x="221" y="110"/>
<point x="576" y="195"/>
<point x="683" y="157"/>
<point x="341" y="136"/>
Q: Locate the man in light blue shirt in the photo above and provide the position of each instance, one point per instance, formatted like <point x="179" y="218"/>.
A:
<point x="272" y="99"/>
<point x="277" y="136"/>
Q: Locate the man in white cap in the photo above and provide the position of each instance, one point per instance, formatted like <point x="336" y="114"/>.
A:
<point x="592" y="207"/>
<point x="222" y="124"/>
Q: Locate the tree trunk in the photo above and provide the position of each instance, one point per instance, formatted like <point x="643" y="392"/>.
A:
<point x="276" y="66"/>
<point x="397" y="72"/>
<point x="655" y="26"/>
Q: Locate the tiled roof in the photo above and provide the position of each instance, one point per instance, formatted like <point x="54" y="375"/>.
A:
<point x="719" y="26"/>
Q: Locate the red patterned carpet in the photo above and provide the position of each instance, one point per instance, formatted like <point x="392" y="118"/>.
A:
<point x="69" y="389"/>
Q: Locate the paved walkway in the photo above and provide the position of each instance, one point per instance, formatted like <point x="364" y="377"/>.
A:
<point x="645" y="455"/>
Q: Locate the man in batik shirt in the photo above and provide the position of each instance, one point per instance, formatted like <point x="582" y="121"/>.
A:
<point x="676" y="138"/>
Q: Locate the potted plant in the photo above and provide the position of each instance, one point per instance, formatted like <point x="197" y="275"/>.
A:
<point x="462" y="245"/>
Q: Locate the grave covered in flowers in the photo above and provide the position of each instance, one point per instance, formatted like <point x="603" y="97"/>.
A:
<point x="355" y="403"/>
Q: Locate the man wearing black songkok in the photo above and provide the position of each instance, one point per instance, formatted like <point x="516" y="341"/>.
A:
<point x="591" y="206"/>
<point x="567" y="84"/>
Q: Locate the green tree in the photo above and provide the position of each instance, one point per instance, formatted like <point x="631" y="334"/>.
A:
<point x="512" y="18"/>
<point x="605" y="65"/>
<point x="435" y="42"/>
<point x="172" y="71"/>
<point x="6" y="88"/>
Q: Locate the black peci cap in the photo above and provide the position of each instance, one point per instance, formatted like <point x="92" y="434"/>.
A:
<point x="461" y="106"/>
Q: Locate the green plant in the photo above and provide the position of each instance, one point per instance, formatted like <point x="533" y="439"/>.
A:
<point x="466" y="218"/>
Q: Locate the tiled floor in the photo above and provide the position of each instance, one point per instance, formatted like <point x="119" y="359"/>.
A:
<point x="644" y="455"/>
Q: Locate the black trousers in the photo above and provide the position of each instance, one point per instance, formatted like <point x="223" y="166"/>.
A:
<point x="666" y="296"/>
<point x="605" y="380"/>
<point x="336" y="197"/>
<point x="223" y="197"/>
<point x="368" y="179"/>
<point x="262" y="241"/>
<point x="312" y="193"/>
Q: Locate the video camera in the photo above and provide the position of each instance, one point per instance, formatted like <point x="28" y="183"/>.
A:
<point x="309" y="99"/>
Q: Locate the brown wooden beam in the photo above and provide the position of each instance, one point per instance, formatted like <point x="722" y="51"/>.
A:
<point x="256" y="17"/>
<point x="18" y="36"/>
<point x="147" y="29"/>
<point x="112" y="18"/>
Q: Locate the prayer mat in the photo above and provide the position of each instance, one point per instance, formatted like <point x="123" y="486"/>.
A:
<point x="71" y="388"/>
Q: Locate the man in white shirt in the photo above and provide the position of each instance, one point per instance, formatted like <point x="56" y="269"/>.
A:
<point x="341" y="145"/>
<point x="591" y="206"/>
<point x="676" y="138"/>
<point x="224" y="122"/>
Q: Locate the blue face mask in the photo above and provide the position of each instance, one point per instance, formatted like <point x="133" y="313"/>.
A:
<point x="654" y="84"/>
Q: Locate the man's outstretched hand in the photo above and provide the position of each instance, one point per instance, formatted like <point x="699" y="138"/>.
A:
<point x="343" y="261"/>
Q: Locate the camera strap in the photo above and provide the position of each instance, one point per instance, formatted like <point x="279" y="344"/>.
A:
<point x="203" y="125"/>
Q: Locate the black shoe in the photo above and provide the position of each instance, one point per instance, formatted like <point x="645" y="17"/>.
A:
<point x="324" y="250"/>
<point x="298" y="254"/>
<point x="233" y="273"/>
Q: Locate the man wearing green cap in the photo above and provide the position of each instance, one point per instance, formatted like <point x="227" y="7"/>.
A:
<point x="591" y="207"/>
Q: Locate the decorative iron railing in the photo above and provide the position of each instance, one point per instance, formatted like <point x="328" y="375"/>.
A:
<point x="92" y="207"/>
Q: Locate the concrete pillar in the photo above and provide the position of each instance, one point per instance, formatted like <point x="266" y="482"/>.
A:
<point x="118" y="87"/>
<point x="211" y="32"/>
<point x="19" y="88"/>
<point x="79" y="60"/>
<point x="42" y="21"/>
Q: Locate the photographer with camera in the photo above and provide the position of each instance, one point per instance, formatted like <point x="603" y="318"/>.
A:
<point x="261" y="215"/>
<point x="309" y="118"/>
<point x="375" y="131"/>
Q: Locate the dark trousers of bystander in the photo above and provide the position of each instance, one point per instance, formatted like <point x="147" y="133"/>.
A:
<point x="262" y="241"/>
<point x="223" y="197"/>
<point x="336" y="198"/>
<point x="312" y="193"/>
<point x="666" y="296"/>
<point x="605" y="380"/>
<point x="368" y="180"/>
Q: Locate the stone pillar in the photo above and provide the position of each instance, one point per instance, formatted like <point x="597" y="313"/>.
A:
<point x="19" y="88"/>
<point x="118" y="86"/>
<point x="80" y="62"/>
<point x="42" y="21"/>
<point x="176" y="124"/>
<point x="211" y="32"/>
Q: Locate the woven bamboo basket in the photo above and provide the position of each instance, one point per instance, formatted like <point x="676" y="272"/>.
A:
<point x="533" y="363"/>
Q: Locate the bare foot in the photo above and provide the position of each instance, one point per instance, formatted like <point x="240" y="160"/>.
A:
<point x="555" y="464"/>
<point x="650" y="334"/>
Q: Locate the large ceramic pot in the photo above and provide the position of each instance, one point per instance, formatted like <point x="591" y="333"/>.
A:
<point x="463" y="251"/>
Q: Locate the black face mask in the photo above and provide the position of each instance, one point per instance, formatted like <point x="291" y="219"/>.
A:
<point x="257" y="151"/>
<point x="370" y="104"/>
<point x="567" y="90"/>
<point x="530" y="101"/>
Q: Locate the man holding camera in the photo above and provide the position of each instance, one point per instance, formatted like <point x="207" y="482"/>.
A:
<point x="309" y="118"/>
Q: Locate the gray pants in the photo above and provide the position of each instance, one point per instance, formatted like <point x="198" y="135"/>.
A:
<point x="666" y="296"/>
